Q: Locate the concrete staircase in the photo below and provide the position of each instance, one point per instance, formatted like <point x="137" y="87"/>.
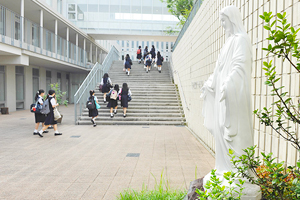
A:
<point x="155" y="100"/>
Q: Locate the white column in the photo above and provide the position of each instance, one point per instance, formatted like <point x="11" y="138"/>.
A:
<point x="77" y="56"/>
<point x="67" y="38"/>
<point x="101" y="56"/>
<point x="96" y="56"/>
<point x="55" y="29"/>
<point x="91" y="52"/>
<point x="22" y="21"/>
<point x="84" y="56"/>
<point x="41" y="28"/>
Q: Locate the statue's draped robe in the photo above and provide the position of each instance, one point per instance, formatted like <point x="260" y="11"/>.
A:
<point x="231" y="117"/>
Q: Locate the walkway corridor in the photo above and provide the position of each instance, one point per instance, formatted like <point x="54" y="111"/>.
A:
<point x="92" y="163"/>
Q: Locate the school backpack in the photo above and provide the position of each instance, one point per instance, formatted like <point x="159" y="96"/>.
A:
<point x="114" y="94"/>
<point x="162" y="59"/>
<point x="138" y="51"/>
<point x="148" y="58"/>
<point x="90" y="104"/>
<point x="45" y="107"/>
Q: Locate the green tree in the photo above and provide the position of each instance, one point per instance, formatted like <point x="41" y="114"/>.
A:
<point x="180" y="9"/>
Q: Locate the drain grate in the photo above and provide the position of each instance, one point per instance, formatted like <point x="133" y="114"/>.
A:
<point x="75" y="136"/>
<point x="133" y="155"/>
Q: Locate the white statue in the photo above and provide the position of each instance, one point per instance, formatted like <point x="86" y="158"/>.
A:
<point x="227" y="100"/>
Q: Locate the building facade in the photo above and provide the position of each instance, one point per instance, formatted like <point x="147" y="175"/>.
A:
<point x="125" y="23"/>
<point x="38" y="46"/>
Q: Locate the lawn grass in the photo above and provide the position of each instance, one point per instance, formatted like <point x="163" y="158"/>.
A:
<point x="161" y="191"/>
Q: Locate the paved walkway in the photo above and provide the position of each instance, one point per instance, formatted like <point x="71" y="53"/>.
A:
<point x="92" y="163"/>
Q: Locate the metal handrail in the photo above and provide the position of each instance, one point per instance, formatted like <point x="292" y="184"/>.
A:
<point x="92" y="80"/>
<point x="179" y="82"/>
<point x="188" y="21"/>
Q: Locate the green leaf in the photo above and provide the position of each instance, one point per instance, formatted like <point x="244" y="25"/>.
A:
<point x="267" y="28"/>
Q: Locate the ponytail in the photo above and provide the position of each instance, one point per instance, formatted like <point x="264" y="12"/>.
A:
<point x="39" y="92"/>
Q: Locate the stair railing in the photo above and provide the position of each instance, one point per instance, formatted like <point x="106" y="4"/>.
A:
<point x="179" y="82"/>
<point x="91" y="81"/>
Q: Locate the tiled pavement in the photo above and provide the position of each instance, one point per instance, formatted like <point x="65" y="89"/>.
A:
<point x="94" y="165"/>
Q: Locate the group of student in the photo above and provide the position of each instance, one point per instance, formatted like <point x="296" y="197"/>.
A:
<point x="150" y="58"/>
<point x="111" y="94"/>
<point x="48" y="119"/>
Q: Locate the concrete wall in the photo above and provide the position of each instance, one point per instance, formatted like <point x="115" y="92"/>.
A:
<point x="195" y="56"/>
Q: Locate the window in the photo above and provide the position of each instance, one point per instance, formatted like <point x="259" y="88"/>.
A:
<point x="20" y="90"/>
<point x="2" y="85"/>
<point x="172" y="45"/>
<point x="132" y="44"/>
<point x="59" y="6"/>
<point x="2" y="21"/>
<point x="59" y="79"/>
<point x="72" y="10"/>
<point x="35" y="81"/>
<point x="35" y="35"/>
<point x="67" y="86"/>
<point x="148" y="44"/>
<point x="17" y="27"/>
<point x="143" y="44"/>
<point x="157" y="45"/>
<point x="123" y="43"/>
<point x="48" y="80"/>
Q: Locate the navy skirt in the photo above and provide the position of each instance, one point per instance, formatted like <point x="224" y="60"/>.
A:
<point x="124" y="101"/>
<point x="50" y="119"/>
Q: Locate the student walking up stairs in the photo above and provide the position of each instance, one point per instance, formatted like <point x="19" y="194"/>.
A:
<point x="155" y="100"/>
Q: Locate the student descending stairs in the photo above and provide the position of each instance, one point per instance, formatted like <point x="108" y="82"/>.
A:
<point x="155" y="99"/>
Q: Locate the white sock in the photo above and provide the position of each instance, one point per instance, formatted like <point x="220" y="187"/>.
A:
<point x="104" y="99"/>
<point x="56" y="131"/>
<point x="128" y="72"/>
<point x="111" y="114"/>
<point x="41" y="132"/>
<point x="35" y="131"/>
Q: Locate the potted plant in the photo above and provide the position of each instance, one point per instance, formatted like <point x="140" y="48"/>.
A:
<point x="59" y="96"/>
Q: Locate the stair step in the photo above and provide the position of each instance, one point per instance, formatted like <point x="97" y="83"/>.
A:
<point x="119" y="117"/>
<point x="134" y="114"/>
<point x="142" y="123"/>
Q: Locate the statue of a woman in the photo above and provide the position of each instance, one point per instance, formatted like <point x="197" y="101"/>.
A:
<point x="226" y="94"/>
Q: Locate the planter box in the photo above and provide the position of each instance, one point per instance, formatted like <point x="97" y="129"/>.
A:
<point x="4" y="110"/>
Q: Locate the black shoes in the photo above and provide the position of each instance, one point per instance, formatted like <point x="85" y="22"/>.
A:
<point x="124" y="115"/>
<point x="159" y="71"/>
<point x="92" y="121"/>
<point x="115" y="112"/>
<point x="45" y="131"/>
<point x="111" y="116"/>
<point x="35" y="133"/>
<point x="55" y="134"/>
<point x="40" y="134"/>
<point x="94" y="125"/>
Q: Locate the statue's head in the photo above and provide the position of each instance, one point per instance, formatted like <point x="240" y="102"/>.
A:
<point x="231" y="20"/>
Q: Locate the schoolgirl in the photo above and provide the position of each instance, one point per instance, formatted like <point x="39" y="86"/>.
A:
<point x="127" y="64"/>
<point x="153" y="53"/>
<point x="114" y="93"/>
<point x="39" y="118"/>
<point x="148" y="61"/>
<point x="124" y="93"/>
<point x="106" y="85"/>
<point x="159" y="60"/>
<point x="93" y="112"/>
<point x="139" y="54"/>
<point x="145" y="52"/>
<point x="50" y="117"/>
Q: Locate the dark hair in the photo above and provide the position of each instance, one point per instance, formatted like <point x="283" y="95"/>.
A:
<point x="39" y="92"/>
<point x="116" y="87"/>
<point x="105" y="75"/>
<point x="146" y="47"/>
<point x="125" y="87"/>
<point x="51" y="92"/>
<point x="92" y="92"/>
<point x="140" y="47"/>
<point x="158" y="54"/>
<point x="152" y="46"/>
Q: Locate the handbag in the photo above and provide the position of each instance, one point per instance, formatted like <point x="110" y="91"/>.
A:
<point x="97" y="105"/>
<point x="100" y="87"/>
<point x="35" y="107"/>
<point x="129" y="98"/>
<point x="56" y="114"/>
<point x="124" y="69"/>
<point x="155" y="65"/>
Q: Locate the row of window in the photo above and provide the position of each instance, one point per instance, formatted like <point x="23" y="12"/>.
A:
<point x="20" y="84"/>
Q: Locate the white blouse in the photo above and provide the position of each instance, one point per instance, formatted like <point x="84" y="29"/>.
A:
<point x="108" y="80"/>
<point x="40" y="99"/>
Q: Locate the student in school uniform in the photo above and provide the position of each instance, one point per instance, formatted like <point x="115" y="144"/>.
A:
<point x="145" y="52"/>
<point x="114" y="93"/>
<point x="148" y="61"/>
<point x="39" y="117"/>
<point x="159" y="61"/>
<point x="106" y="85"/>
<point x="93" y="112"/>
<point x="139" y="54"/>
<point x="127" y="64"/>
<point x="124" y="93"/>
<point x="153" y="54"/>
<point x="50" y="117"/>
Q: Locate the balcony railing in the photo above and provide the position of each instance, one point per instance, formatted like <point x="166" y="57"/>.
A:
<point x="37" y="39"/>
